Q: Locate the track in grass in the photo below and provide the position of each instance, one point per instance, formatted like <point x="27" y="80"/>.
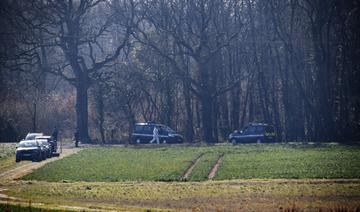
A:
<point x="204" y="166"/>
<point x="215" y="168"/>
<point x="191" y="167"/>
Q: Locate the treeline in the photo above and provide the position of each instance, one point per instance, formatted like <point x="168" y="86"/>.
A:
<point x="203" y="67"/>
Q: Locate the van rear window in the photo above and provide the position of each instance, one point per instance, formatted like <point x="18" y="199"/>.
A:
<point x="269" y="129"/>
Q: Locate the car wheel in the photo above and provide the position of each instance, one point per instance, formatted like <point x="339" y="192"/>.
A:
<point x="17" y="159"/>
<point x="233" y="141"/>
<point x="36" y="158"/>
<point x="258" y="141"/>
<point x="164" y="141"/>
<point x="138" y="141"/>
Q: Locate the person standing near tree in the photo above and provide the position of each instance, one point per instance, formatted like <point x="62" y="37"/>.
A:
<point x="55" y="137"/>
<point x="55" y="134"/>
<point x="76" y="136"/>
<point x="155" y="135"/>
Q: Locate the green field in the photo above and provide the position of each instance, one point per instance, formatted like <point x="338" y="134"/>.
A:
<point x="265" y="161"/>
<point x="119" y="164"/>
<point x="7" y="153"/>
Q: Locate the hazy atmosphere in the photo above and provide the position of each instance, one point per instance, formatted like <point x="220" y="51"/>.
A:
<point x="204" y="68"/>
<point x="180" y="105"/>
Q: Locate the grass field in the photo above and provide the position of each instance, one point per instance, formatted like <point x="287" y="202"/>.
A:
<point x="244" y="195"/>
<point x="291" y="162"/>
<point x="252" y="177"/>
<point x="277" y="161"/>
<point x="7" y="153"/>
<point x="119" y="164"/>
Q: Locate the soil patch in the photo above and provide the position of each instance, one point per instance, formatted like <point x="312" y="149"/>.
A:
<point x="216" y="167"/>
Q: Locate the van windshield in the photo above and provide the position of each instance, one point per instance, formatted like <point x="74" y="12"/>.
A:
<point x="28" y="144"/>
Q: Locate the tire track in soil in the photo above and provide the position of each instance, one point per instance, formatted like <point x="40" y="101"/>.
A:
<point x="191" y="167"/>
<point x="215" y="167"/>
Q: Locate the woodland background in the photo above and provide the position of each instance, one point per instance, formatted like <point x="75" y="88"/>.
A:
<point x="202" y="67"/>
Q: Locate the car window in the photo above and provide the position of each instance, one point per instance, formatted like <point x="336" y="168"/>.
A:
<point x="259" y="129"/>
<point x="163" y="130"/>
<point x="254" y="130"/>
<point x="250" y="130"/>
<point x="138" y="128"/>
<point x="28" y="144"/>
<point x="148" y="129"/>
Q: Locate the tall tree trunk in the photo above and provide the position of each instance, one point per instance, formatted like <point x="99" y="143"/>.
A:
<point x="235" y="108"/>
<point x="189" y="133"/>
<point x="99" y="104"/>
<point x="206" y="103"/>
<point x="207" y="117"/>
<point x="82" y="111"/>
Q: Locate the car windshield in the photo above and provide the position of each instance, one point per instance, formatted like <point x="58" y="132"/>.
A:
<point x="28" y="144"/>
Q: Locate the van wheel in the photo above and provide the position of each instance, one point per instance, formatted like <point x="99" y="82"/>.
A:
<point x="138" y="141"/>
<point x="17" y="160"/>
<point x="164" y="141"/>
<point x="233" y="141"/>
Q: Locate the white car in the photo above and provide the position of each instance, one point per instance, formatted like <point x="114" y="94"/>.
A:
<point x="32" y="136"/>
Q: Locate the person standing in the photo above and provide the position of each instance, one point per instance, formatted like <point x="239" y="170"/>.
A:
<point x="155" y="135"/>
<point x="55" y="134"/>
<point x="76" y="135"/>
<point x="55" y="138"/>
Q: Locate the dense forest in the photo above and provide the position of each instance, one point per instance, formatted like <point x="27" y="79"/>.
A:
<point x="202" y="67"/>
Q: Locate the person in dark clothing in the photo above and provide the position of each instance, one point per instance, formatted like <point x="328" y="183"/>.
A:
<point x="55" y="138"/>
<point x="55" y="134"/>
<point x="76" y="135"/>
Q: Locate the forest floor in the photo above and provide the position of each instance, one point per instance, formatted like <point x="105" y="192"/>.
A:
<point x="121" y="192"/>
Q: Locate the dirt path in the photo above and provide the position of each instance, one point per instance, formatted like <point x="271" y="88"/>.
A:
<point x="191" y="167"/>
<point x="24" y="169"/>
<point x="215" y="168"/>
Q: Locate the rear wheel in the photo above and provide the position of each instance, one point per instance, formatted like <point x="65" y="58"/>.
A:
<point x="17" y="159"/>
<point x="137" y="140"/>
<point x="233" y="141"/>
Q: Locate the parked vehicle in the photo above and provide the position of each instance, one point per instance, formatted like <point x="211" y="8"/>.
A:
<point x="143" y="133"/>
<point x="28" y="150"/>
<point x="254" y="132"/>
<point x="32" y="136"/>
<point x="45" y="147"/>
<point x="53" y="144"/>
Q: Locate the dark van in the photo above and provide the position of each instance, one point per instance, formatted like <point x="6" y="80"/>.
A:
<point x="254" y="132"/>
<point x="143" y="133"/>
